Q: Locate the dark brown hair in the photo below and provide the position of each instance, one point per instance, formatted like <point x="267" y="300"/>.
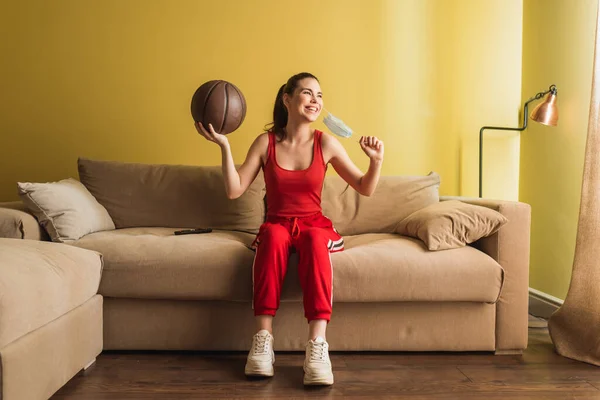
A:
<point x="280" y="113"/>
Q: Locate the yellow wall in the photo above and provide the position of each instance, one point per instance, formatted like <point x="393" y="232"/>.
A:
<point x="558" y="48"/>
<point x="452" y="67"/>
<point x="113" y="80"/>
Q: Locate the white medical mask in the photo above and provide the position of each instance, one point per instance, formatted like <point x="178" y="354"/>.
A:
<point x="336" y="125"/>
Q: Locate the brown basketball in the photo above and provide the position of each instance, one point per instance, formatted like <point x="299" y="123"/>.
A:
<point x="221" y="104"/>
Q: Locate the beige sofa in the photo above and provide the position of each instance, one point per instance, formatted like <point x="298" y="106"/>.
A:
<point x="50" y="316"/>
<point x="167" y="292"/>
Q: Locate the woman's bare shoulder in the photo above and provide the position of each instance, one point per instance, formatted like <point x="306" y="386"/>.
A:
<point x="331" y="147"/>
<point x="330" y="142"/>
<point x="261" y="141"/>
<point x="262" y="138"/>
<point x="260" y="146"/>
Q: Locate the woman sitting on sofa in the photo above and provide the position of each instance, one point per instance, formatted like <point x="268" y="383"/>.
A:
<point x="294" y="158"/>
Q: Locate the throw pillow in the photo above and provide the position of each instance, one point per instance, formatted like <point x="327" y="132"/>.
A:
<point x="66" y="209"/>
<point x="451" y="224"/>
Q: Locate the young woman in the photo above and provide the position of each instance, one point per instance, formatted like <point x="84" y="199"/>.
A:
<point x="294" y="157"/>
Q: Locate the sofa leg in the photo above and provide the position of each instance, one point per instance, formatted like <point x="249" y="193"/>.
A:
<point x="508" y="352"/>
<point x="89" y="364"/>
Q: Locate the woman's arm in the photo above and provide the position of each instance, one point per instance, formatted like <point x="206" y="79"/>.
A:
<point x="364" y="184"/>
<point x="237" y="181"/>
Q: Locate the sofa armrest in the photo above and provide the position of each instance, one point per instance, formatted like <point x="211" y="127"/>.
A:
<point x="17" y="223"/>
<point x="510" y="248"/>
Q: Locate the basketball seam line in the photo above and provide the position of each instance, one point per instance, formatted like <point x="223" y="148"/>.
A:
<point x="241" y="96"/>
<point x="205" y="102"/>
<point x="226" y="106"/>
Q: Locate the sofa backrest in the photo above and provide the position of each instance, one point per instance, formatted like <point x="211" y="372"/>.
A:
<point x="180" y="196"/>
<point x="177" y="196"/>
<point x="395" y="198"/>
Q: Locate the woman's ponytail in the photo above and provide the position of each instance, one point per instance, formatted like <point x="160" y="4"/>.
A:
<point x="280" y="114"/>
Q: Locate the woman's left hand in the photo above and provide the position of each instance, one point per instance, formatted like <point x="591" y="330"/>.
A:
<point x="372" y="147"/>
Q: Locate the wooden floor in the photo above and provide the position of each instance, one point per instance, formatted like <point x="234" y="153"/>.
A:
<point x="538" y="374"/>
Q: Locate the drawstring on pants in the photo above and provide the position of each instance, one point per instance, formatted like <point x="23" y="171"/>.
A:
<point x="295" y="227"/>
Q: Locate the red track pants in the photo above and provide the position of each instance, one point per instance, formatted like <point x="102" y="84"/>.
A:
<point x="314" y="238"/>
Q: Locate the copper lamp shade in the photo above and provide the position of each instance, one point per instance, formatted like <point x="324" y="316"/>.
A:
<point x="547" y="112"/>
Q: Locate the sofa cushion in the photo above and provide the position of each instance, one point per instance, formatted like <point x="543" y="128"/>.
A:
<point x="145" y="195"/>
<point x="395" y="198"/>
<point x="153" y="263"/>
<point x="41" y="281"/>
<point x="390" y="267"/>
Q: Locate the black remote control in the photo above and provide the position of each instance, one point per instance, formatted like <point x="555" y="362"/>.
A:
<point x="193" y="231"/>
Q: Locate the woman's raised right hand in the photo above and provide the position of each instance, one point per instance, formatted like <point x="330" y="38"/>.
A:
<point x="211" y="135"/>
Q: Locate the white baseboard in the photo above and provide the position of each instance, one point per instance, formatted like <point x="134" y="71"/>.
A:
<point x="542" y="304"/>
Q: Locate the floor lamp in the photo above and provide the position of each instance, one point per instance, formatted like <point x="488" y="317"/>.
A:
<point x="545" y="113"/>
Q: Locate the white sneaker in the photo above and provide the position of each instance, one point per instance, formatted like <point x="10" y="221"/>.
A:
<point x="261" y="356"/>
<point x="317" y="365"/>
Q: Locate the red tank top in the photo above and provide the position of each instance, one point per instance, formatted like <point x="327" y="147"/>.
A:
<point x="294" y="193"/>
